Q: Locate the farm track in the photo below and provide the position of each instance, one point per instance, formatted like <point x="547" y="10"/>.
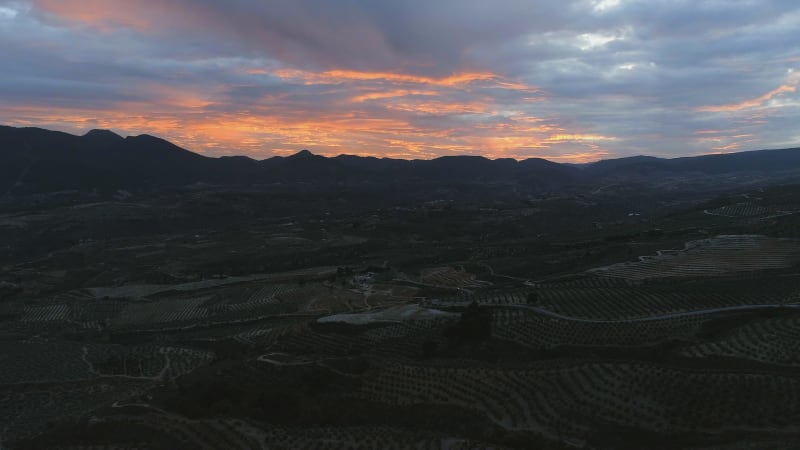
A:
<point x="676" y="315"/>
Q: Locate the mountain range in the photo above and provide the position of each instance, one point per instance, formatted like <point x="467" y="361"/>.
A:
<point x="37" y="160"/>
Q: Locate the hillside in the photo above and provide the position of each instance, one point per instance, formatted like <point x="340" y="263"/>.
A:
<point x="37" y="160"/>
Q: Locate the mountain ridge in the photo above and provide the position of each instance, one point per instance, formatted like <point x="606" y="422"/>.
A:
<point x="40" y="160"/>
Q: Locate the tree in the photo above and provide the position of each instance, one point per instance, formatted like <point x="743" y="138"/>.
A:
<point x="475" y="324"/>
<point x="429" y="348"/>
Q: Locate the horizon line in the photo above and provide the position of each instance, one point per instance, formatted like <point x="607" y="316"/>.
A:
<point x="306" y="150"/>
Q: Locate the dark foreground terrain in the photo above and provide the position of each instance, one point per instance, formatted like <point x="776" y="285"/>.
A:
<point x="618" y="309"/>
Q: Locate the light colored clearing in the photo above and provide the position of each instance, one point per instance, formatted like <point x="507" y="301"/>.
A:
<point x="109" y="204"/>
<point x="709" y="257"/>
<point x="146" y="290"/>
<point x="20" y="221"/>
<point x="450" y="277"/>
<point x="344" y="240"/>
<point x="287" y="240"/>
<point x="396" y="314"/>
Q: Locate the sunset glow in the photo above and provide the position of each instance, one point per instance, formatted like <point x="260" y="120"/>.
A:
<point x="578" y="81"/>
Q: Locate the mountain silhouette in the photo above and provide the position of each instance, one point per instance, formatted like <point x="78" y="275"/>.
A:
<point x="38" y="160"/>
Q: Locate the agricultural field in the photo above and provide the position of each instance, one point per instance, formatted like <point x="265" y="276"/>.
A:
<point x="207" y="318"/>
<point x="771" y="341"/>
<point x="741" y="210"/>
<point x="720" y="255"/>
<point x="562" y="398"/>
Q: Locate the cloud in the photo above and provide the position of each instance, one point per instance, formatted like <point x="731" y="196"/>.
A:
<point x="790" y="86"/>
<point x="572" y="80"/>
<point x="417" y="35"/>
<point x="751" y="103"/>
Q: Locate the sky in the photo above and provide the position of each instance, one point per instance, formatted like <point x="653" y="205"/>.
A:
<point x="566" y="80"/>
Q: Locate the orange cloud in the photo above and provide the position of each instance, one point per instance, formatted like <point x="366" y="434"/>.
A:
<point x="262" y="134"/>
<point x="104" y="14"/>
<point x="379" y="95"/>
<point x="726" y="148"/>
<point x="723" y="141"/>
<point x="385" y="113"/>
<point x="461" y="79"/>
<point x="579" y="157"/>
<point x="578" y="138"/>
<point x="378" y="119"/>
<point x="357" y="112"/>
<point x="178" y="98"/>
<point x="448" y="81"/>
<point x="440" y="107"/>
<point x="752" y="103"/>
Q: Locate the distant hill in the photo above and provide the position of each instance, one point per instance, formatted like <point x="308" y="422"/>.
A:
<point x="38" y="160"/>
<point x="762" y="162"/>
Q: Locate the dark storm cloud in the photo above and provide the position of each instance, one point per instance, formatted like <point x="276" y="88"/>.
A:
<point x="361" y="34"/>
<point x="577" y="79"/>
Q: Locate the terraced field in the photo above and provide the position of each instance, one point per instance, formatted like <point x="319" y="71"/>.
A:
<point x="236" y="319"/>
<point x="771" y="341"/>
<point x="538" y="331"/>
<point x="609" y="299"/>
<point x="161" y="311"/>
<point x="567" y="400"/>
<point x="626" y="302"/>
<point x="214" y="434"/>
<point x="716" y="256"/>
<point x="145" y="362"/>
<point x="46" y="313"/>
<point x="742" y="210"/>
<point x="41" y="362"/>
<point x="27" y="409"/>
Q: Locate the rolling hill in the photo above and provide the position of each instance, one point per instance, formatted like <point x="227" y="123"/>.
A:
<point x="38" y="160"/>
